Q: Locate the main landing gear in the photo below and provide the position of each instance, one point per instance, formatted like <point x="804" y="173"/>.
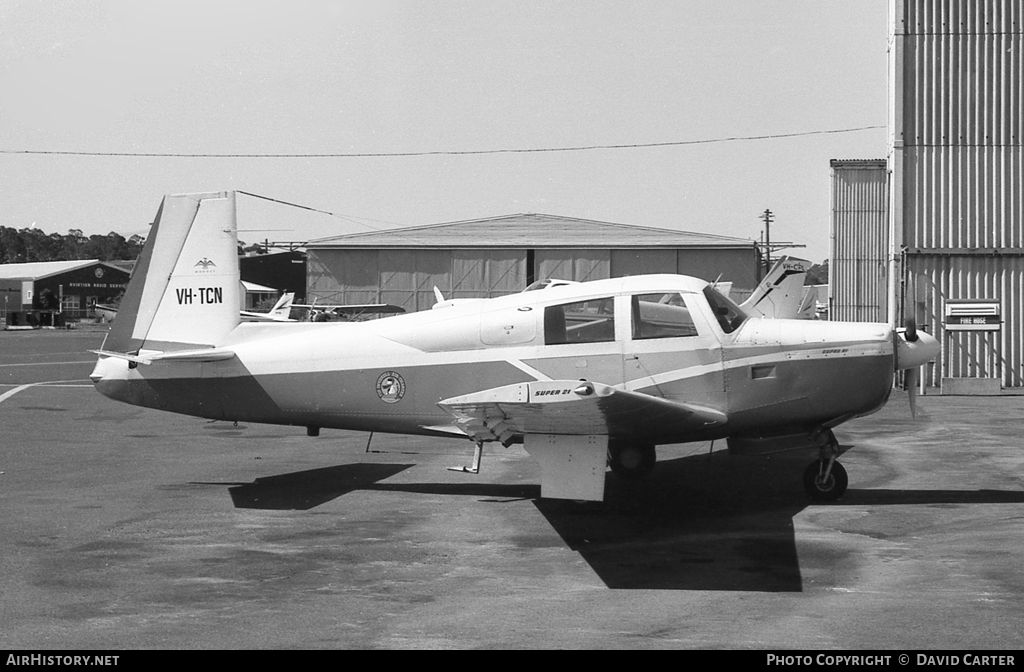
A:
<point x="631" y="460"/>
<point x="825" y="479"/>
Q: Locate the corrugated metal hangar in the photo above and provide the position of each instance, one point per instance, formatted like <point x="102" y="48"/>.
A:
<point x="284" y="271"/>
<point x="952" y="190"/>
<point x="502" y="255"/>
<point x="859" y="260"/>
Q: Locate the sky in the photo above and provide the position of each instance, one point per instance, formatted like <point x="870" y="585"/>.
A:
<point x="428" y="80"/>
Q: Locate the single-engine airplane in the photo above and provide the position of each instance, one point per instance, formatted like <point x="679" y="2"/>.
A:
<point x="281" y="312"/>
<point x="780" y="292"/>
<point x="324" y="312"/>
<point x="585" y="375"/>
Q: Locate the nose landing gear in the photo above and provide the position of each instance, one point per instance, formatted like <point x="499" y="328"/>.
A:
<point x="825" y="482"/>
<point x="825" y="479"/>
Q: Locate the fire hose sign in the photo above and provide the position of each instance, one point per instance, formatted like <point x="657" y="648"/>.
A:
<point x="973" y="315"/>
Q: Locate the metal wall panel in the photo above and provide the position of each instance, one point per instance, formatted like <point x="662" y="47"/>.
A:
<point x="963" y="122"/>
<point x="934" y="279"/>
<point x="966" y="80"/>
<point x="487" y="273"/>
<point x="957" y="69"/>
<point x="740" y="267"/>
<point x="964" y="197"/>
<point x="639" y="262"/>
<point x="343" y="276"/>
<point x="581" y="265"/>
<point x="407" y="277"/>
<point x="858" y="268"/>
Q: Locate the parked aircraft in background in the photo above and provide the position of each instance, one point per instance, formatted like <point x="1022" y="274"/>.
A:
<point x="105" y="312"/>
<point x="281" y="312"/>
<point x="780" y="293"/>
<point x="533" y="287"/>
<point x="585" y="375"/>
<point x="323" y="312"/>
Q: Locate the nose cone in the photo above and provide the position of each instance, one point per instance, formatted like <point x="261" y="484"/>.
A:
<point x="912" y="354"/>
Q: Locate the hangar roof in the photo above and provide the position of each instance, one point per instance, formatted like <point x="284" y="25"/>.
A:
<point x="530" y="230"/>
<point x="37" y="270"/>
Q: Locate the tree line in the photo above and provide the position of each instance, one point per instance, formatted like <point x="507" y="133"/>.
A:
<point x="18" y="246"/>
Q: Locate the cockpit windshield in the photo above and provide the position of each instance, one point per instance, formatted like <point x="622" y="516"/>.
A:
<point x="729" y="315"/>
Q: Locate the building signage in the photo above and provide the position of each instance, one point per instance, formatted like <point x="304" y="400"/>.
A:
<point x="973" y="315"/>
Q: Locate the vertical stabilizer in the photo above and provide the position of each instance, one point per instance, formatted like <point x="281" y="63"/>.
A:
<point x="779" y="294"/>
<point x="184" y="290"/>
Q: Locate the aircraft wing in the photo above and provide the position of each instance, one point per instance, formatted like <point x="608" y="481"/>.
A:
<point x="251" y="316"/>
<point x="279" y="313"/>
<point x="353" y="307"/>
<point x="573" y="407"/>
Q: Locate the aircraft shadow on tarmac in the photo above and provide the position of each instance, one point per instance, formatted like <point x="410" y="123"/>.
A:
<point x="304" y="490"/>
<point x="704" y="522"/>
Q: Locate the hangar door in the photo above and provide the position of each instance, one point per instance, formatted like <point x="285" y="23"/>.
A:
<point x="578" y="265"/>
<point x="486" y="273"/>
<point x="343" y="276"/>
<point x="407" y="278"/>
<point x="642" y="262"/>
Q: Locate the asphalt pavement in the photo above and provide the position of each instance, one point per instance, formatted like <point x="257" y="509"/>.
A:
<point x="127" y="528"/>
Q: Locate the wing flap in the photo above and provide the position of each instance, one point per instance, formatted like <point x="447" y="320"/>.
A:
<point x="573" y="407"/>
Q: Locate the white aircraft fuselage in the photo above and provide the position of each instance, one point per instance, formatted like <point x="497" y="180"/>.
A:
<point x="579" y="372"/>
<point x="767" y="375"/>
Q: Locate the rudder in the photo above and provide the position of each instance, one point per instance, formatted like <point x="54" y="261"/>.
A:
<point x="184" y="290"/>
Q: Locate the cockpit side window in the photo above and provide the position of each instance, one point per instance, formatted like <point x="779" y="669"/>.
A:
<point x="582" y="322"/>
<point x="661" y="315"/>
<point x="729" y="315"/>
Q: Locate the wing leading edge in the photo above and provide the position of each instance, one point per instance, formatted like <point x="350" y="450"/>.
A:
<point x="573" y="407"/>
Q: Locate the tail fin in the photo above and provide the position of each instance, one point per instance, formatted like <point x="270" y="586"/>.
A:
<point x="283" y="308"/>
<point x="184" y="290"/>
<point x="779" y="294"/>
<point x="809" y="304"/>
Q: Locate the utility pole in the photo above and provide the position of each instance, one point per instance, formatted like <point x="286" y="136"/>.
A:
<point x="767" y="216"/>
<point x="766" y="245"/>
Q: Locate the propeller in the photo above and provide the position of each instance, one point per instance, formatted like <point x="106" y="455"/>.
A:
<point x="911" y="382"/>
<point x="913" y="349"/>
<point x="911" y="332"/>
<point x="912" y="374"/>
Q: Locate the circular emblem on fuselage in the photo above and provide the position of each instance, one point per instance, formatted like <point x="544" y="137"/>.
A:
<point x="390" y="387"/>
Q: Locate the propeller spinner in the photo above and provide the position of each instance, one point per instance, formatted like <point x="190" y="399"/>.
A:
<point x="913" y="349"/>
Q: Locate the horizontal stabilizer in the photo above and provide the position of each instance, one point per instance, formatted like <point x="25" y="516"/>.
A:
<point x="207" y="355"/>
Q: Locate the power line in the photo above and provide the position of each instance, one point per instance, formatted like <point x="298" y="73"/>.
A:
<point x="582" y="148"/>
<point x="348" y="218"/>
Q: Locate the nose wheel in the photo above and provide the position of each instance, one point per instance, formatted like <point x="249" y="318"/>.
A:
<point x="825" y="480"/>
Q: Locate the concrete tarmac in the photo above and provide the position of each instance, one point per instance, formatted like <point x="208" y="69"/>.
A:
<point x="126" y="528"/>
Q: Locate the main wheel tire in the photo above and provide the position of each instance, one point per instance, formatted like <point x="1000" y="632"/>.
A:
<point x="830" y="489"/>
<point x="632" y="460"/>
